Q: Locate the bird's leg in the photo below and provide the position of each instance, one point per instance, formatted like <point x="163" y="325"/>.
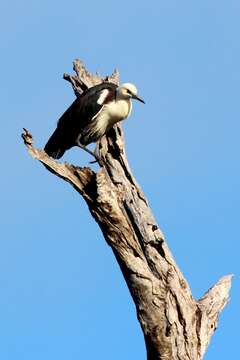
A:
<point x="87" y="150"/>
<point x="91" y="153"/>
<point x="96" y="156"/>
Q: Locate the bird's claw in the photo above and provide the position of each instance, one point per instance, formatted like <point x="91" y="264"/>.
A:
<point x="97" y="160"/>
<point x="93" y="162"/>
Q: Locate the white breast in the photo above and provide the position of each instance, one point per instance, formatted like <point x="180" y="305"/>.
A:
<point x="110" y="114"/>
<point x="119" y="110"/>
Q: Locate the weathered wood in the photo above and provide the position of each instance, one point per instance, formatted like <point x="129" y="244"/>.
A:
<point x="175" y="325"/>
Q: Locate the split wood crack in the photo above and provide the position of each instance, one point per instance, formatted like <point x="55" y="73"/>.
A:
<point x="174" y="324"/>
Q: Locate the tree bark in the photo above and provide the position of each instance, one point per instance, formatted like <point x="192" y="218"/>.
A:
<point x="175" y="325"/>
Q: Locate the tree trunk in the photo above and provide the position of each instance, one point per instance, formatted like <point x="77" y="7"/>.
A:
<point x="175" y="325"/>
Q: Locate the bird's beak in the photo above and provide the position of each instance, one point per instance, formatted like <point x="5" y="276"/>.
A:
<point x="138" y="98"/>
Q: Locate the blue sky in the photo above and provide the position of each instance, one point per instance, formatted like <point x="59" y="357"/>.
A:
<point x="62" y="295"/>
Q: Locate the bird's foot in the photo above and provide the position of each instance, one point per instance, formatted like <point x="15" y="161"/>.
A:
<point x="97" y="160"/>
<point x="93" y="161"/>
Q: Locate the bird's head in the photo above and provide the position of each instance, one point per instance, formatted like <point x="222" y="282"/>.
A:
<point x="128" y="91"/>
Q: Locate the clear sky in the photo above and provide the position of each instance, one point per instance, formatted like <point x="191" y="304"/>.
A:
<point x="62" y="295"/>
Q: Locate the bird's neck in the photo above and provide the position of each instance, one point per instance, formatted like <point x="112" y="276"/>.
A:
<point x="118" y="110"/>
<point x="124" y="107"/>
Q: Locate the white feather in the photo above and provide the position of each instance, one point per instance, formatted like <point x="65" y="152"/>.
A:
<point x="103" y="96"/>
<point x="110" y="114"/>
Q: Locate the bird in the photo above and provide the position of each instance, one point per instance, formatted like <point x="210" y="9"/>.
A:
<point x="90" y="117"/>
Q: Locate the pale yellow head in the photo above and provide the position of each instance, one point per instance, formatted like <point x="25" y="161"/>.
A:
<point x="128" y="91"/>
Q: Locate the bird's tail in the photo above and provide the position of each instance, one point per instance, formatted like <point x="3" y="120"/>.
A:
<point x="55" y="146"/>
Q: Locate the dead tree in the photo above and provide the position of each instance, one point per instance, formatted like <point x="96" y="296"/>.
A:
<point x="174" y="324"/>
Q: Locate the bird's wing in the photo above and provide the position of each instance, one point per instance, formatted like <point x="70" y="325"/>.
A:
<point x="78" y="117"/>
<point x="87" y="106"/>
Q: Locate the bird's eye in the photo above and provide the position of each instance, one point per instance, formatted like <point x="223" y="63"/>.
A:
<point x="129" y="92"/>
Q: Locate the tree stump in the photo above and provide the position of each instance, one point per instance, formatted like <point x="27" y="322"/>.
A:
<point x="174" y="324"/>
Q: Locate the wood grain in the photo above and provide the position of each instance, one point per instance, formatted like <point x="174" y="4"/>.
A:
<point x="174" y="324"/>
